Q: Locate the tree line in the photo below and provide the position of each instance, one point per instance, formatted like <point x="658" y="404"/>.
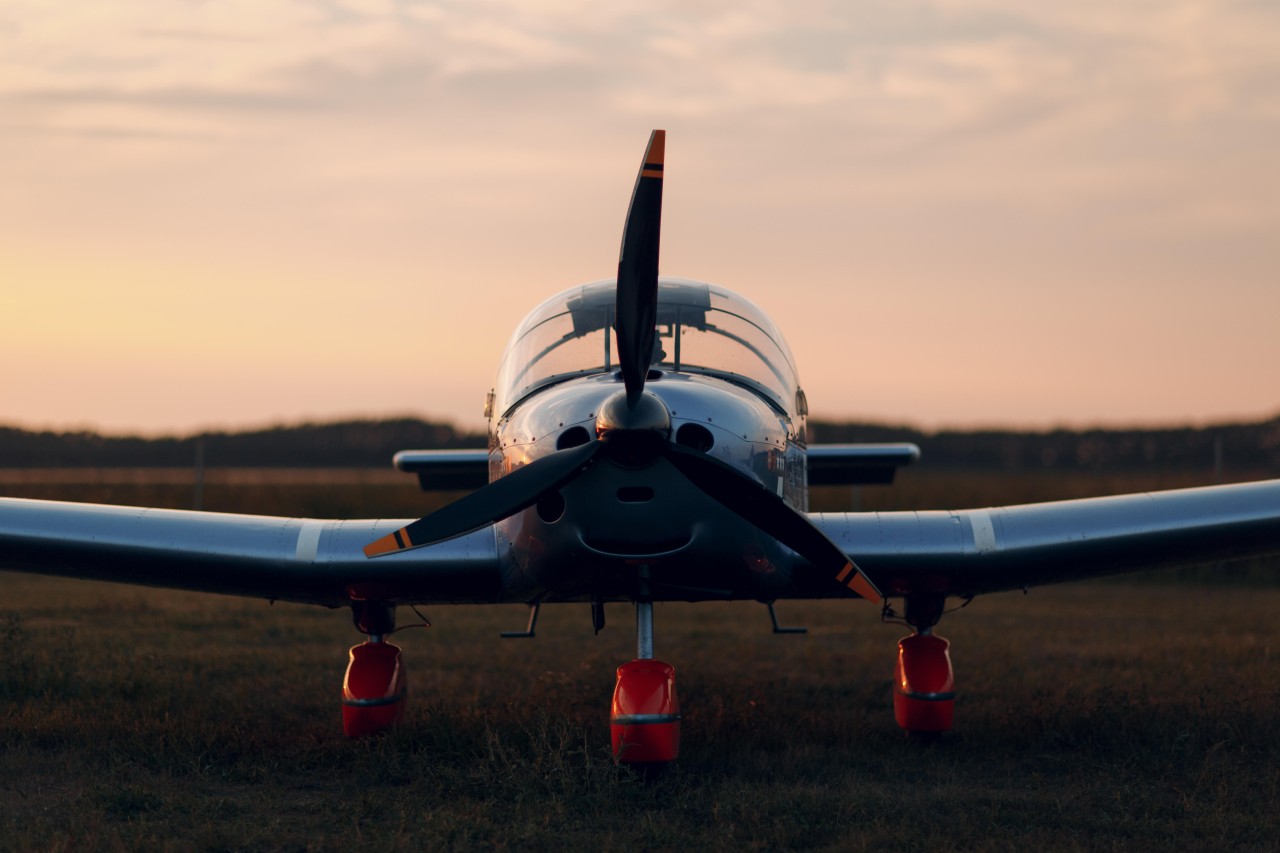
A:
<point x="370" y="443"/>
<point x="1236" y="446"/>
<point x="341" y="444"/>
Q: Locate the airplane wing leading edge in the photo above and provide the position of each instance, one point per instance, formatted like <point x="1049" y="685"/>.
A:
<point x="975" y="551"/>
<point x="287" y="559"/>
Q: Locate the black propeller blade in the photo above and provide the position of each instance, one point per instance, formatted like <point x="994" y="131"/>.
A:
<point x="771" y="514"/>
<point x="637" y="301"/>
<point x="500" y="499"/>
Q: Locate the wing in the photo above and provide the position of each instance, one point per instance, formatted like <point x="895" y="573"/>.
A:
<point x="446" y="470"/>
<point x="857" y="464"/>
<point x="286" y="559"/>
<point x="984" y="550"/>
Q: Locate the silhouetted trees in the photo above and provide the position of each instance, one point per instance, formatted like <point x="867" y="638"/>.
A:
<point x="361" y="443"/>
<point x="1253" y="447"/>
<point x="370" y="443"/>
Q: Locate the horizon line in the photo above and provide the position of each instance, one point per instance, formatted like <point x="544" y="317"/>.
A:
<point x="884" y="422"/>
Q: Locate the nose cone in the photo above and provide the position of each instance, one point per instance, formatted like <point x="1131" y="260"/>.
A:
<point x="650" y="414"/>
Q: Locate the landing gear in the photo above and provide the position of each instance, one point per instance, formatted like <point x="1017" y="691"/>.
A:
<point x="923" y="684"/>
<point x="375" y="685"/>
<point x="646" y="713"/>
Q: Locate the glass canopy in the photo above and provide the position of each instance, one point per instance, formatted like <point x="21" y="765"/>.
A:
<point x="701" y="329"/>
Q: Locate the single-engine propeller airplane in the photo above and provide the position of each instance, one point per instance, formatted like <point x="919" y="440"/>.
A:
<point x="646" y="443"/>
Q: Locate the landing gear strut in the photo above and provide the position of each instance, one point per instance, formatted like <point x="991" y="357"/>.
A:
<point x="375" y="685"/>
<point x="646" y="714"/>
<point x="923" y="684"/>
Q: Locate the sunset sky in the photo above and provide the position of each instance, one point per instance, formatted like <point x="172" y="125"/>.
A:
<point x="228" y="214"/>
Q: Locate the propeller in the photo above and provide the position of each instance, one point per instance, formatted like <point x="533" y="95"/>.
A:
<point x="762" y="508"/>
<point x="634" y="427"/>
<point x="502" y="498"/>
<point x="636" y="313"/>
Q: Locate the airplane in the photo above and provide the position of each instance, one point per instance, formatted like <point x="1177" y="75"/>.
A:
<point x="647" y="443"/>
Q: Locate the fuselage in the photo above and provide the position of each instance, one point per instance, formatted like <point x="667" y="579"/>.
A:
<point x="727" y="380"/>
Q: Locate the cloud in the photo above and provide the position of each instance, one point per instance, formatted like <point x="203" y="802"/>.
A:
<point x="900" y="69"/>
<point x="194" y="35"/>
<point x="182" y="99"/>
<point x="108" y="133"/>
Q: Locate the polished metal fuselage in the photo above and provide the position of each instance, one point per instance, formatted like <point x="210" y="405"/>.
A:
<point x="615" y="518"/>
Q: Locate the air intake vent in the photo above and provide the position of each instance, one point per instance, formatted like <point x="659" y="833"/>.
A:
<point x="574" y="436"/>
<point x="696" y="437"/>
<point x="635" y="494"/>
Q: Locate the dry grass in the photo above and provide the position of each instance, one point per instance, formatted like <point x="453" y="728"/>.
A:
<point x="365" y="492"/>
<point x="929" y="488"/>
<point x="316" y="493"/>
<point x="1090" y="717"/>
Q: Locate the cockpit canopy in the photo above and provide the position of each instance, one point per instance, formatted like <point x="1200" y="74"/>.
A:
<point x="701" y="329"/>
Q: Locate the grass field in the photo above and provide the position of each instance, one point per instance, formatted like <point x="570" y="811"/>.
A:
<point x="1099" y="716"/>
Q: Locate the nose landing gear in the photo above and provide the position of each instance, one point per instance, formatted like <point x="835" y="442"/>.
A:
<point x="645" y="724"/>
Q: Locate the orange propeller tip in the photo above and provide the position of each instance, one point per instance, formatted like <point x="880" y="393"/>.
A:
<point x="865" y="588"/>
<point x="385" y="545"/>
<point x="657" y="149"/>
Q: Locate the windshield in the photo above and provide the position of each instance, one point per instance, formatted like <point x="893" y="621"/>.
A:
<point x="701" y="329"/>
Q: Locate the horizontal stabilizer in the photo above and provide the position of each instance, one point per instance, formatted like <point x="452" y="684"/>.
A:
<point x="858" y="464"/>
<point x="446" y="470"/>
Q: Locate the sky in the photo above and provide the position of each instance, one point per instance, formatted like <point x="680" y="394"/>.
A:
<point x="234" y="214"/>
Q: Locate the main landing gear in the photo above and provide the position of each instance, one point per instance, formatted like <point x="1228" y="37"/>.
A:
<point x="923" y="686"/>
<point x="375" y="685"/>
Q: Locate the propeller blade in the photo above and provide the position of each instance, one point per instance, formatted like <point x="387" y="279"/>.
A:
<point x="762" y="508"/>
<point x="500" y="499"/>
<point x="636" y="312"/>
